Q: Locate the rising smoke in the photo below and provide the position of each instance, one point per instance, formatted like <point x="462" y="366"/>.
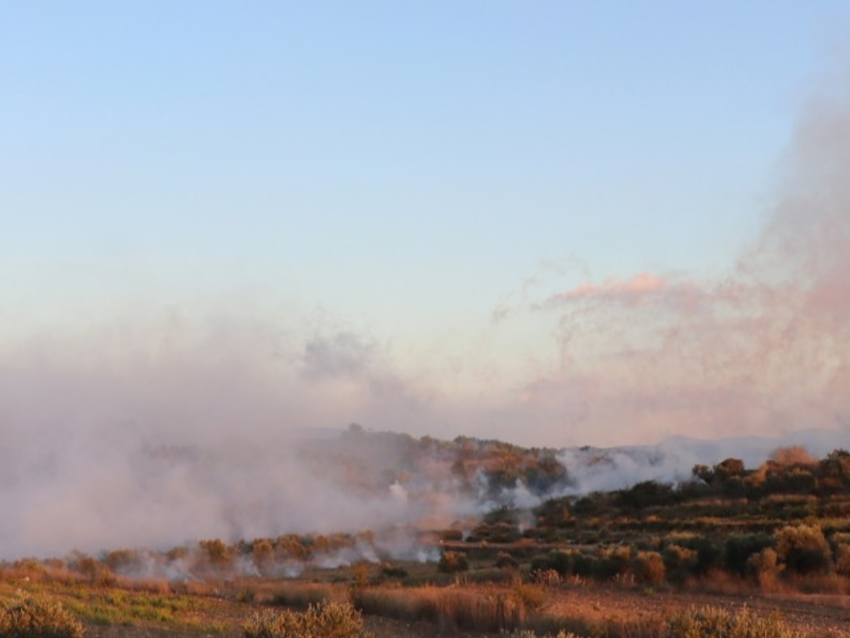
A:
<point x="178" y="440"/>
<point x="763" y="349"/>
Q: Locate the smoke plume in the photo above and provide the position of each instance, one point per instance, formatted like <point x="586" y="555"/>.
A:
<point x="160" y="438"/>
<point x="762" y="349"/>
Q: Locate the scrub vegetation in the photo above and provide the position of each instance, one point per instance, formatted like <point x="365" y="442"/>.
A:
<point x="730" y="552"/>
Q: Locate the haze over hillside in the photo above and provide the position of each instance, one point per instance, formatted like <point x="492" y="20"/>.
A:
<point x="225" y="227"/>
<point x="108" y="494"/>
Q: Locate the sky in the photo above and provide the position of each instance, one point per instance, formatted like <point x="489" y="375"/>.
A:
<point x="555" y="223"/>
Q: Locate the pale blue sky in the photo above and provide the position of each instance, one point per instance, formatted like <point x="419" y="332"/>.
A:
<point x="392" y="170"/>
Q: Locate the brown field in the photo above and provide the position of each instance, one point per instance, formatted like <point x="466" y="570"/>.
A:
<point x="459" y="608"/>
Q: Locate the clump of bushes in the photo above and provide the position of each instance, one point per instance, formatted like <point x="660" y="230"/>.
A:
<point x="711" y="622"/>
<point x="679" y="561"/>
<point x="506" y="561"/>
<point x="557" y="560"/>
<point x="763" y="567"/>
<point x="34" y="617"/>
<point x="804" y="549"/>
<point x="339" y="620"/>
<point x="391" y="571"/>
<point x="842" y="559"/>
<point x="708" y="553"/>
<point x="648" y="567"/>
<point x="453" y="562"/>
<point x="740" y="547"/>
<point x="94" y="571"/>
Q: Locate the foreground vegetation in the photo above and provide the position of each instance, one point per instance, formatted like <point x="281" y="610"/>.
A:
<point x="517" y="610"/>
<point x="782" y="529"/>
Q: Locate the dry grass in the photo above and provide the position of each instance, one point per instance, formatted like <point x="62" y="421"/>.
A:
<point x="470" y="609"/>
<point x="327" y="620"/>
<point x="581" y="625"/>
<point x="29" y="616"/>
<point x="302" y="595"/>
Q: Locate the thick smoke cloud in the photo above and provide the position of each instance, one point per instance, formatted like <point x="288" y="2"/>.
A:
<point x="103" y="448"/>
<point x="763" y="349"/>
<point x="152" y="439"/>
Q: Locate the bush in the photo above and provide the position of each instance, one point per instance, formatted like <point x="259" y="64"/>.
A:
<point x="506" y="561"/>
<point x="711" y="622"/>
<point x="262" y="553"/>
<point x="842" y="559"/>
<point x="557" y="560"/>
<point x="94" y="571"/>
<point x="679" y="561"/>
<point x="804" y="549"/>
<point x="648" y="567"/>
<point x="453" y="562"/>
<point x="740" y="547"/>
<point x="646" y="494"/>
<point x="391" y="571"/>
<point x="614" y="561"/>
<point x="32" y="617"/>
<point x="763" y="567"/>
<point x="585" y="565"/>
<point x="217" y="552"/>
<point x="339" y="620"/>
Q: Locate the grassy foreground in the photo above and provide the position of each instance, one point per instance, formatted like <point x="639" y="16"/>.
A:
<point x="261" y="608"/>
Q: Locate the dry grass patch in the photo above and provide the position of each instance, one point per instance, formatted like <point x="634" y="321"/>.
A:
<point x="470" y="609"/>
<point x="711" y="622"/>
<point x="326" y="620"/>
<point x="29" y="616"/>
<point x="302" y="595"/>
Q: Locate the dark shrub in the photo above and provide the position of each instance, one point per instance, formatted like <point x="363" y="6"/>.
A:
<point x="585" y="565"/>
<point x="804" y="549"/>
<point x="453" y="562"/>
<point x="739" y="548"/>
<point x="506" y="561"/>
<point x="646" y="494"/>
<point x="391" y="571"/>
<point x="680" y="561"/>
<point x="559" y="561"/>
<point x="709" y="553"/>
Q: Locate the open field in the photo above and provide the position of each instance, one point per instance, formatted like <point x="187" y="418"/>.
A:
<point x="153" y="609"/>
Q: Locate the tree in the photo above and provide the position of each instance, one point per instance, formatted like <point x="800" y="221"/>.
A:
<point x="804" y="549"/>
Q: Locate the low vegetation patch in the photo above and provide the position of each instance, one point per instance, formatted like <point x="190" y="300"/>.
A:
<point x="325" y="620"/>
<point x="469" y="609"/>
<point x="36" y="617"/>
<point x="711" y="622"/>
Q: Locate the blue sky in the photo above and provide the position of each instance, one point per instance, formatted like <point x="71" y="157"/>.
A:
<point x="384" y="179"/>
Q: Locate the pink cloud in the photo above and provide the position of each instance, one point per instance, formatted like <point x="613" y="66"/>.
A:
<point x="630" y="290"/>
<point x="637" y="290"/>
